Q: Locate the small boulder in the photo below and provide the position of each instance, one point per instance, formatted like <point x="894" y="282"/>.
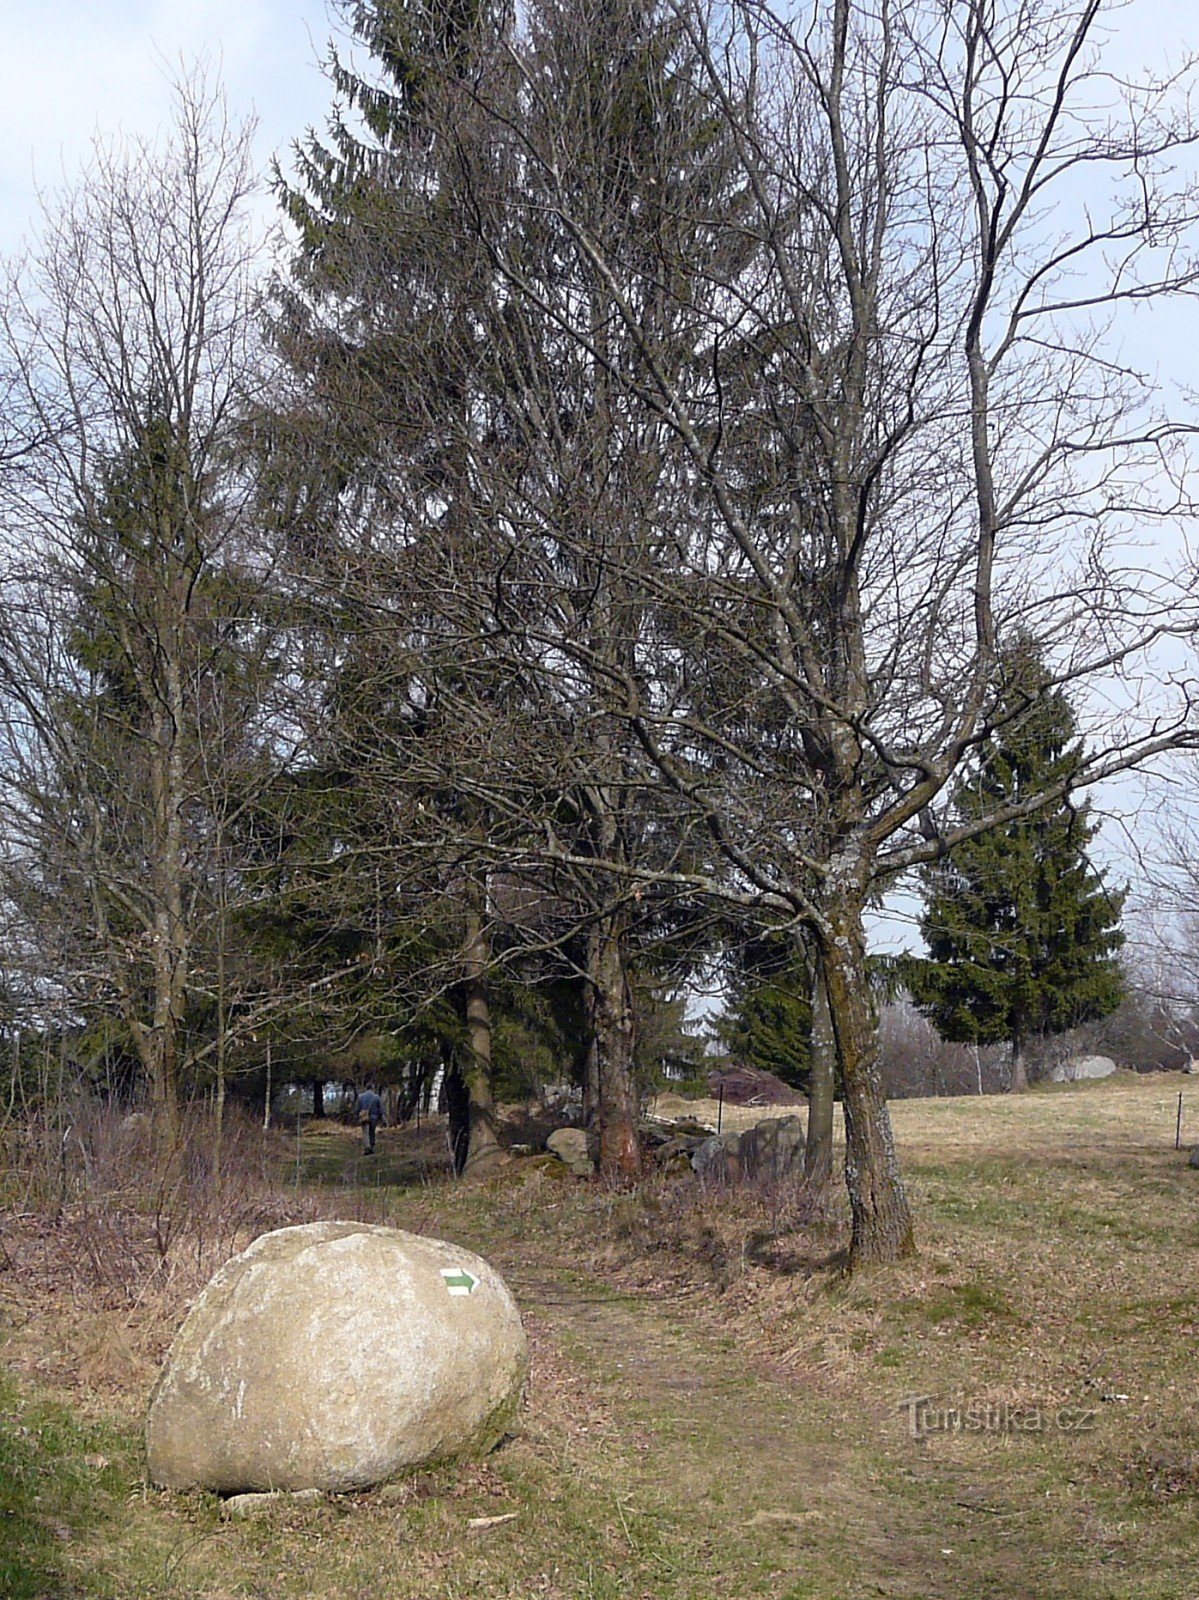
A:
<point x="331" y="1356"/>
<point x="773" y="1151"/>
<point x="1194" y="1161"/>
<point x="570" y="1146"/>
<point x="685" y="1146"/>
<point x="239" y="1507"/>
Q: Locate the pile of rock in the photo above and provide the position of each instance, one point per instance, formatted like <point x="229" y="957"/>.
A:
<point x="663" y="1142"/>
<point x="772" y="1151"/>
<point x="677" y="1141"/>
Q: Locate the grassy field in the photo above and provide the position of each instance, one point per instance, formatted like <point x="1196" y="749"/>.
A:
<point x="714" y="1411"/>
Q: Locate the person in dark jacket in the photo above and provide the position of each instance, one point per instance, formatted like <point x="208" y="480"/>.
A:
<point x="370" y="1114"/>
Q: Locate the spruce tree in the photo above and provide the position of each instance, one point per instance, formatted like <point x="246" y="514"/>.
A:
<point x="475" y="482"/>
<point x="768" y="1019"/>
<point x="1021" y="932"/>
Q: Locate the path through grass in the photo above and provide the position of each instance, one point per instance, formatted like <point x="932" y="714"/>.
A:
<point x="714" y="1415"/>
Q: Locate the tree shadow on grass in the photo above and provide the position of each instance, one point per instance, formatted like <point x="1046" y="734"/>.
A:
<point x="790" y="1254"/>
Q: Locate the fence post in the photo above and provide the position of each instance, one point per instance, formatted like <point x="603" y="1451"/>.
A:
<point x="1178" y="1124"/>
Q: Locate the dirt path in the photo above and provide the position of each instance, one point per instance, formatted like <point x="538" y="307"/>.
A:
<point x="786" y="1498"/>
<point x="750" y="1481"/>
<point x="719" y="1475"/>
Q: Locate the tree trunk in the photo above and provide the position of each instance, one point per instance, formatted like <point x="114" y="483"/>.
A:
<point x="457" y="1106"/>
<point x="822" y="1081"/>
<point x="424" y="1103"/>
<point x="882" y="1223"/>
<point x="590" y="1056"/>
<point x="483" y="1153"/>
<point x="318" y="1099"/>
<point x="164" y="1090"/>
<point x="218" y="1121"/>
<point x="1019" y="1067"/>
<point x="615" y="1024"/>
<point x="414" y="1088"/>
<point x="168" y="868"/>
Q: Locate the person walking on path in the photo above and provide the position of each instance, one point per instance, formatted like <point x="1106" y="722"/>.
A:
<point x="370" y="1114"/>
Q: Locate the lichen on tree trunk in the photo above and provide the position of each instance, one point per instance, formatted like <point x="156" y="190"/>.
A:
<point x="882" y="1221"/>
<point x="822" y="1078"/>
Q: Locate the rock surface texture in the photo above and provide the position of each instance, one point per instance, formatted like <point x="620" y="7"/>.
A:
<point x="333" y="1355"/>
<point x="773" y="1152"/>
<point x="1080" y="1067"/>
<point x="570" y="1146"/>
<point x="769" y="1152"/>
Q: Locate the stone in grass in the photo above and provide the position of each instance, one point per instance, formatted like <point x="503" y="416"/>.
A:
<point x="241" y="1506"/>
<point x="1080" y="1068"/>
<point x="772" y="1151"/>
<point x="332" y="1356"/>
<point x="570" y="1146"/>
<point x="718" y="1159"/>
<point x="1194" y="1161"/>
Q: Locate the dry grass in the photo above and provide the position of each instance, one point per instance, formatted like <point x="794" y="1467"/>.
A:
<point x="716" y="1409"/>
<point x="1056" y="1273"/>
<point x="103" y="1245"/>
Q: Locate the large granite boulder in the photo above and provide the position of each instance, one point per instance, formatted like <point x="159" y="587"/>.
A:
<point x="772" y="1151"/>
<point x="1079" y="1068"/>
<point x="333" y="1355"/>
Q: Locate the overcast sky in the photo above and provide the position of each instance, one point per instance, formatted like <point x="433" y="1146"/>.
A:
<point x="72" y="68"/>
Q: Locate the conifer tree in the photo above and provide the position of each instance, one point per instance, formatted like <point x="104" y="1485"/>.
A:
<point x="380" y="308"/>
<point x="1022" y="933"/>
<point x="768" y="1020"/>
<point x="455" y="416"/>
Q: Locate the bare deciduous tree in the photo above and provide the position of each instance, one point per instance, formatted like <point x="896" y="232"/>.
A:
<point x="900" y="436"/>
<point x="127" y="636"/>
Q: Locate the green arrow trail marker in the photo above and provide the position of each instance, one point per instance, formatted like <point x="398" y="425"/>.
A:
<point x="459" y="1281"/>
